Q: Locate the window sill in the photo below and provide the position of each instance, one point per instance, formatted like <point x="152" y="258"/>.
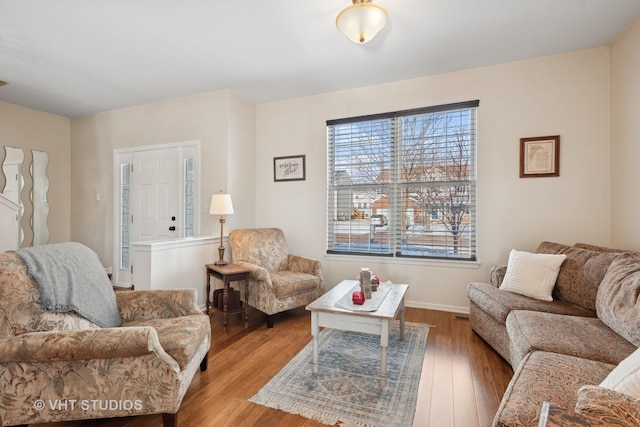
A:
<point x="427" y="262"/>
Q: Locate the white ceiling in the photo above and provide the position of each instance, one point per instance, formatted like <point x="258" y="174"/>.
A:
<point x="76" y="57"/>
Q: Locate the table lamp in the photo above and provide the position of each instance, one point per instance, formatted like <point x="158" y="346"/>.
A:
<point x="221" y="205"/>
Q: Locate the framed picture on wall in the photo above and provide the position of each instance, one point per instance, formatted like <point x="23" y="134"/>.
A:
<point x="289" y="168"/>
<point x="540" y="156"/>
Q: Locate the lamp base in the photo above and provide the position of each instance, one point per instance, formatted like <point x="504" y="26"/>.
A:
<point x="221" y="261"/>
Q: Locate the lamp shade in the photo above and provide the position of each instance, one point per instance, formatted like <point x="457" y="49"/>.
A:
<point x="361" y="21"/>
<point x="221" y="204"/>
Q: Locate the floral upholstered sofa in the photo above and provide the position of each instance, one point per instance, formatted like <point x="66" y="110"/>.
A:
<point x="57" y="366"/>
<point x="577" y="352"/>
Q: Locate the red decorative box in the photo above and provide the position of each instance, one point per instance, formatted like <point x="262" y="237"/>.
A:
<point x="358" y="297"/>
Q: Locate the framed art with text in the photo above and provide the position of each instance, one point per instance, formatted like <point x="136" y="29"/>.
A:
<point x="289" y="168"/>
<point x="540" y="156"/>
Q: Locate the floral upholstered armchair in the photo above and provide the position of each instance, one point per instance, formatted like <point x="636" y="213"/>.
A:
<point x="278" y="281"/>
<point x="60" y="366"/>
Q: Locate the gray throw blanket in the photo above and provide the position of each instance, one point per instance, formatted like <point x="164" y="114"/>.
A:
<point x="70" y="277"/>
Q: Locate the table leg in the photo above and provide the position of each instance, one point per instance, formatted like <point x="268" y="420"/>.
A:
<point x="384" y="346"/>
<point x="315" y="330"/>
<point x="208" y="291"/>
<point x="402" y="319"/>
<point x="225" y="304"/>
<point x="246" y="303"/>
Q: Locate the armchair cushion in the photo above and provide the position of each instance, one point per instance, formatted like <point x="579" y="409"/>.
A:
<point x="179" y="336"/>
<point x="286" y="283"/>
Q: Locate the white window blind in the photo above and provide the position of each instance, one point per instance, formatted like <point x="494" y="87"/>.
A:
<point x="403" y="184"/>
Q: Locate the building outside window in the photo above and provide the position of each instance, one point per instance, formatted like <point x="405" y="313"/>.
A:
<point x="415" y="171"/>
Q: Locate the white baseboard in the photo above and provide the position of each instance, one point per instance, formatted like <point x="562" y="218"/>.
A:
<point x="439" y="307"/>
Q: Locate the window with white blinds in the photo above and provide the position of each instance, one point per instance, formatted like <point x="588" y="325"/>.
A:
<point x="403" y="184"/>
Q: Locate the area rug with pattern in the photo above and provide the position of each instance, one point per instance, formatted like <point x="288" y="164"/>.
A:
<point x="346" y="390"/>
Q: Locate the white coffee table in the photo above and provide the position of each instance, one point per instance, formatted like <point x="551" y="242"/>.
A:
<point x="324" y="314"/>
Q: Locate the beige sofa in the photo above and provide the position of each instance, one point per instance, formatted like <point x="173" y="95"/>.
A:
<point x="561" y="350"/>
<point x="60" y="366"/>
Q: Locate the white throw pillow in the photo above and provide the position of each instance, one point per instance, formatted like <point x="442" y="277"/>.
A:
<point x="625" y="378"/>
<point x="532" y="275"/>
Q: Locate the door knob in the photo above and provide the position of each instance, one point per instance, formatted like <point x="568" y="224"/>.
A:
<point x="172" y="228"/>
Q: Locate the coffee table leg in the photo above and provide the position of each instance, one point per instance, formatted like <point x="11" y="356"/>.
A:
<point x="315" y="330"/>
<point x="402" y="319"/>
<point x="384" y="346"/>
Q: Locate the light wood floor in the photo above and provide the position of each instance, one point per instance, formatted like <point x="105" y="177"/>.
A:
<point x="462" y="383"/>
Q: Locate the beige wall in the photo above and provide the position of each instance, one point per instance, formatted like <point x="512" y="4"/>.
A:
<point x="221" y="121"/>
<point x="625" y="138"/>
<point x="34" y="130"/>
<point x="566" y="95"/>
<point x="242" y="159"/>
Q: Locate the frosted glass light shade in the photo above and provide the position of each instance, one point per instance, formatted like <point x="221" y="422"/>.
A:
<point x="361" y="21"/>
<point x="221" y="204"/>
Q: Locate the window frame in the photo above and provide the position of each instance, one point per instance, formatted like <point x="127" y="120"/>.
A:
<point x="397" y="245"/>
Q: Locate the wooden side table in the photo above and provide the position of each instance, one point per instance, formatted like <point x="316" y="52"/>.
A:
<point x="229" y="273"/>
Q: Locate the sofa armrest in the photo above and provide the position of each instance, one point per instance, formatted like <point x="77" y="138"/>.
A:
<point x="608" y="405"/>
<point x="157" y="304"/>
<point x="497" y="274"/>
<point x="82" y="344"/>
<point x="302" y="264"/>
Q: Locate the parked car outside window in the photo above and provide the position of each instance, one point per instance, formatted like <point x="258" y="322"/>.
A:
<point x="379" y="220"/>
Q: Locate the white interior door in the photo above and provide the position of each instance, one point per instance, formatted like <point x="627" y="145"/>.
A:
<point x="155" y="196"/>
<point x="155" y="190"/>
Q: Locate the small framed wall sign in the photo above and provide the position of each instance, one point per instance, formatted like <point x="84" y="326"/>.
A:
<point x="289" y="168"/>
<point x="540" y="156"/>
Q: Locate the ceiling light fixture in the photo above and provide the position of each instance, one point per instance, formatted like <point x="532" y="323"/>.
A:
<point x="361" y="21"/>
